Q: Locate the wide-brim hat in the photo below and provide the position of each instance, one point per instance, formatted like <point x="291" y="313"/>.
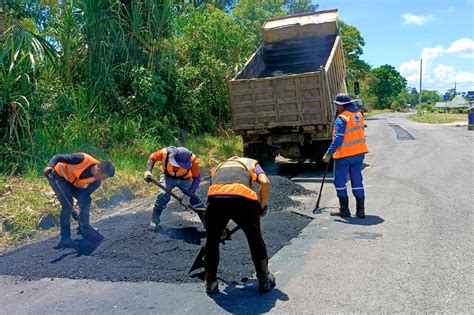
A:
<point x="342" y="99"/>
<point x="180" y="157"/>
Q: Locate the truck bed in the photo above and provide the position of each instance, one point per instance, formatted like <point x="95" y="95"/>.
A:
<point x="291" y="57"/>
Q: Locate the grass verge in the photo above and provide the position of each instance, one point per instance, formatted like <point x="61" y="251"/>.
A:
<point x="438" y="118"/>
<point x="24" y="200"/>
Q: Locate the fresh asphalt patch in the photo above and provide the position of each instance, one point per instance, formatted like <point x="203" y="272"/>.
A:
<point x="132" y="253"/>
<point x="402" y="134"/>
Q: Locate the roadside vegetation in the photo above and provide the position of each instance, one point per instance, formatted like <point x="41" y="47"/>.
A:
<point x="427" y="113"/>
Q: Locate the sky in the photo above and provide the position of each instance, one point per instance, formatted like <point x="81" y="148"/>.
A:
<point x="401" y="32"/>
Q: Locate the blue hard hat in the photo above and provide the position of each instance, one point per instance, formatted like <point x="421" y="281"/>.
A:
<point x="342" y="99"/>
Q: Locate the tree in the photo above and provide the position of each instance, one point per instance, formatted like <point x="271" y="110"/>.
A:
<point x="252" y="14"/>
<point x="430" y="97"/>
<point x="352" y="43"/>
<point x="300" y="6"/>
<point x="23" y="54"/>
<point x="386" y="84"/>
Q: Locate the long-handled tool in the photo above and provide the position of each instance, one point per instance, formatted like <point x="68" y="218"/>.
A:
<point x="88" y="232"/>
<point x="199" y="261"/>
<point x="172" y="194"/>
<point x="316" y="208"/>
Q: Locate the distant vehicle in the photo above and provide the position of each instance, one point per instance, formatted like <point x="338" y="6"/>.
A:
<point x="281" y="101"/>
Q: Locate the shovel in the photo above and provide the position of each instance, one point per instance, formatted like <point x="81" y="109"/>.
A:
<point x="88" y="232"/>
<point x="179" y="199"/>
<point x="316" y="208"/>
<point x="199" y="261"/>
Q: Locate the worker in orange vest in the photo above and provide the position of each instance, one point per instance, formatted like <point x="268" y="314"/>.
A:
<point x="230" y="197"/>
<point x="76" y="176"/>
<point x="348" y="149"/>
<point x="181" y="169"/>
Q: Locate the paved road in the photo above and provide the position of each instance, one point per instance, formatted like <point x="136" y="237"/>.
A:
<point x="413" y="253"/>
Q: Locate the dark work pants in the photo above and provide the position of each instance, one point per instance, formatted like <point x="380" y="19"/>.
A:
<point x="244" y="212"/>
<point x="65" y="192"/>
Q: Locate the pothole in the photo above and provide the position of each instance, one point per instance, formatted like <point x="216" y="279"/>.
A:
<point x="402" y="134"/>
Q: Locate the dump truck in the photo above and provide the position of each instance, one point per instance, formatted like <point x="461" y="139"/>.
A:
<point x="281" y="101"/>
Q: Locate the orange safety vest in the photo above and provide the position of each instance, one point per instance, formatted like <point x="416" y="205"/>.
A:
<point x="234" y="177"/>
<point x="72" y="172"/>
<point x="169" y="171"/>
<point x="354" y="136"/>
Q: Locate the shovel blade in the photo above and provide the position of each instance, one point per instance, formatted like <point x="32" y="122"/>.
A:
<point x="199" y="261"/>
<point x="90" y="234"/>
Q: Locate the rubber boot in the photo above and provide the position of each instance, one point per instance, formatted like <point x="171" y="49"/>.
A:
<point x="360" y="206"/>
<point x="343" y="210"/>
<point x="266" y="280"/>
<point x="155" y="219"/>
<point x="210" y="276"/>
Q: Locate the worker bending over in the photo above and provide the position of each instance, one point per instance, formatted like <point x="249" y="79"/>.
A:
<point x="230" y="196"/>
<point x="76" y="176"/>
<point x="180" y="169"/>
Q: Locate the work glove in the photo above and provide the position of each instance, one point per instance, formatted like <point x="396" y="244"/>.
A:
<point x="185" y="201"/>
<point x="263" y="211"/>
<point x="47" y="171"/>
<point x="327" y="157"/>
<point x="147" y="176"/>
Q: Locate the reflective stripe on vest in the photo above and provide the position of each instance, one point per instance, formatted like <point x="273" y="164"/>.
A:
<point x="354" y="137"/>
<point x="169" y="171"/>
<point x="72" y="172"/>
<point x="234" y="177"/>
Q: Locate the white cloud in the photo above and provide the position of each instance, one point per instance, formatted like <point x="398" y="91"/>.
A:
<point x="465" y="45"/>
<point x="410" y="18"/>
<point x="432" y="53"/>
<point x="444" y="74"/>
<point x="440" y="76"/>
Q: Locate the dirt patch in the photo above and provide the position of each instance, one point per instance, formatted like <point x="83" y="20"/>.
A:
<point x="131" y="253"/>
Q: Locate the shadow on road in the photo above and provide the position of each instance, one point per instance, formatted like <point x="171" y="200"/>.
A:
<point x="245" y="299"/>
<point x="190" y="234"/>
<point x="368" y="220"/>
<point x="83" y="248"/>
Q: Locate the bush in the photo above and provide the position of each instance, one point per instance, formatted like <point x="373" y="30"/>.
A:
<point x="425" y="108"/>
<point x="397" y="106"/>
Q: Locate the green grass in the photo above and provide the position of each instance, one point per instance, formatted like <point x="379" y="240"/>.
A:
<point x="24" y="199"/>
<point x="438" y="118"/>
<point x="376" y="111"/>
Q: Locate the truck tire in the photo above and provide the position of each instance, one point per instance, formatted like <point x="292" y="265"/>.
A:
<point x="317" y="150"/>
<point x="263" y="153"/>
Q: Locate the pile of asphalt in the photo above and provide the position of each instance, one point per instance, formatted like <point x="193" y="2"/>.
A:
<point x="132" y="253"/>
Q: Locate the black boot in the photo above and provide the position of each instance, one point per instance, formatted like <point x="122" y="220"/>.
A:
<point x="210" y="276"/>
<point x="155" y="219"/>
<point x="343" y="211"/>
<point x="360" y="206"/>
<point x="266" y="280"/>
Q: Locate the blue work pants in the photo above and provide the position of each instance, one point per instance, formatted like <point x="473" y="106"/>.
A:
<point x="352" y="166"/>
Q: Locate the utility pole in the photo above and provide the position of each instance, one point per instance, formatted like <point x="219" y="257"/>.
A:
<point x="421" y="73"/>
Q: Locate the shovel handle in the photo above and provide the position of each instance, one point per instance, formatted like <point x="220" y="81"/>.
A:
<point x="172" y="194"/>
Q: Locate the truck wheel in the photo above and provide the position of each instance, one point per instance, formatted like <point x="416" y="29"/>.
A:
<point x="317" y="149"/>
<point x="263" y="153"/>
